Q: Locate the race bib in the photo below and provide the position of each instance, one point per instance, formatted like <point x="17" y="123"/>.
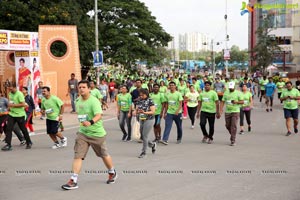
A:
<point x="228" y="102"/>
<point x="40" y="96"/>
<point x="49" y="111"/>
<point x="245" y="102"/>
<point x="82" y="118"/>
<point x="205" y="99"/>
<point x="103" y="92"/>
<point x="112" y="88"/>
<point x="172" y="103"/>
<point x="72" y="86"/>
<point x="143" y="116"/>
<point x="156" y="106"/>
<point x="123" y="104"/>
<point x="11" y="102"/>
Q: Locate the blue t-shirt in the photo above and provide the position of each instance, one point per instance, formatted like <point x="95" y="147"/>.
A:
<point x="270" y="88"/>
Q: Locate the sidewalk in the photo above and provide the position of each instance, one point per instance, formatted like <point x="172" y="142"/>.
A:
<point x="70" y="120"/>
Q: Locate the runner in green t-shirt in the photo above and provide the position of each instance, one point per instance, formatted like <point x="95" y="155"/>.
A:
<point x="163" y="88"/>
<point x="159" y="103"/>
<point x="232" y="98"/>
<point x="17" y="115"/>
<point x="173" y="113"/>
<point x="209" y="106"/>
<point x="280" y="86"/>
<point x="191" y="97"/>
<point x="124" y="108"/>
<point x="91" y="133"/>
<point x="245" y="108"/>
<point x="290" y="98"/>
<point x="53" y="107"/>
<point x="262" y="84"/>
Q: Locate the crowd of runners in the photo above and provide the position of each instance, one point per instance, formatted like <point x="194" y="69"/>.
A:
<point x="148" y="100"/>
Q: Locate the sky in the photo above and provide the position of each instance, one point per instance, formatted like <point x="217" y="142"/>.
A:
<point x="183" y="16"/>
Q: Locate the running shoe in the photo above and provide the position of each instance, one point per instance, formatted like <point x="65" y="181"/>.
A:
<point x="22" y="143"/>
<point x="232" y="143"/>
<point x="112" y="178"/>
<point x="210" y="141"/>
<point x="56" y="146"/>
<point x="124" y="137"/>
<point x="154" y="148"/>
<point x="142" y="155"/>
<point x="164" y="142"/>
<point x="71" y="185"/>
<point x="288" y="133"/>
<point x="28" y="146"/>
<point x="178" y="142"/>
<point x="242" y="132"/>
<point x="204" y="140"/>
<point x="249" y="128"/>
<point x="6" y="148"/>
<point x="64" y="142"/>
<point x="295" y="130"/>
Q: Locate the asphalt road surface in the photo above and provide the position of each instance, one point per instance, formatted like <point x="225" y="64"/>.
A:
<point x="263" y="165"/>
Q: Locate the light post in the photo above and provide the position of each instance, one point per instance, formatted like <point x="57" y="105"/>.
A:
<point x="93" y="13"/>
<point x="212" y="55"/>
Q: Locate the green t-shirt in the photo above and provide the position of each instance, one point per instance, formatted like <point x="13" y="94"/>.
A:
<point x="52" y="107"/>
<point x="208" y="100"/>
<point x="197" y="86"/>
<point x="228" y="97"/>
<point x="145" y="86"/>
<point x="87" y="109"/>
<point x="124" y="101"/>
<point x="181" y="89"/>
<point x="173" y="100"/>
<point x="246" y="97"/>
<point x="262" y="83"/>
<point x="96" y="93"/>
<point x="193" y="99"/>
<point x="290" y="103"/>
<point x="163" y="89"/>
<point x="280" y="86"/>
<point x="158" y="100"/>
<point x="16" y="98"/>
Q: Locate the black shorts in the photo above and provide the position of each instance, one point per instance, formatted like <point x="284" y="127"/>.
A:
<point x="288" y="113"/>
<point x="52" y="126"/>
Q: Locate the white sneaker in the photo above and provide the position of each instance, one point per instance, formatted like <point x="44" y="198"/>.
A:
<point x="192" y="127"/>
<point x="64" y="142"/>
<point x="31" y="133"/>
<point x="56" y="146"/>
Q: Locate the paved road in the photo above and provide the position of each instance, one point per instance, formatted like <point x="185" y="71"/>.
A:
<point x="263" y="165"/>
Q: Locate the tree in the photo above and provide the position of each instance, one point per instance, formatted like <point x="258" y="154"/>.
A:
<point x="266" y="46"/>
<point x="127" y="30"/>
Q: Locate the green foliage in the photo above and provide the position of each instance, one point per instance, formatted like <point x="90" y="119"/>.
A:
<point x="127" y="30"/>
<point x="266" y="45"/>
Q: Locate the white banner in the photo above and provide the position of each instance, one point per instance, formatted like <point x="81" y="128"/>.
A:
<point x="18" y="40"/>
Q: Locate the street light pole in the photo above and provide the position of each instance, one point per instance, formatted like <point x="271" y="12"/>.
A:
<point x="96" y="26"/>
<point x="96" y="39"/>
<point x="213" y="58"/>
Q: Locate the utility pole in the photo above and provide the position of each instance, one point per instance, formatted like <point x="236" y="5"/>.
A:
<point x="96" y="39"/>
<point x="226" y="38"/>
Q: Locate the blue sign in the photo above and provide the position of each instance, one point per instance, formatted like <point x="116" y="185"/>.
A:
<point x="98" y="58"/>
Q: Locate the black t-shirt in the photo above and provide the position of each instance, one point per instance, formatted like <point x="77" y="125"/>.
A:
<point x="145" y="106"/>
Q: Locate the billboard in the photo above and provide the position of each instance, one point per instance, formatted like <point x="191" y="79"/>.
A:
<point x="18" y="40"/>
